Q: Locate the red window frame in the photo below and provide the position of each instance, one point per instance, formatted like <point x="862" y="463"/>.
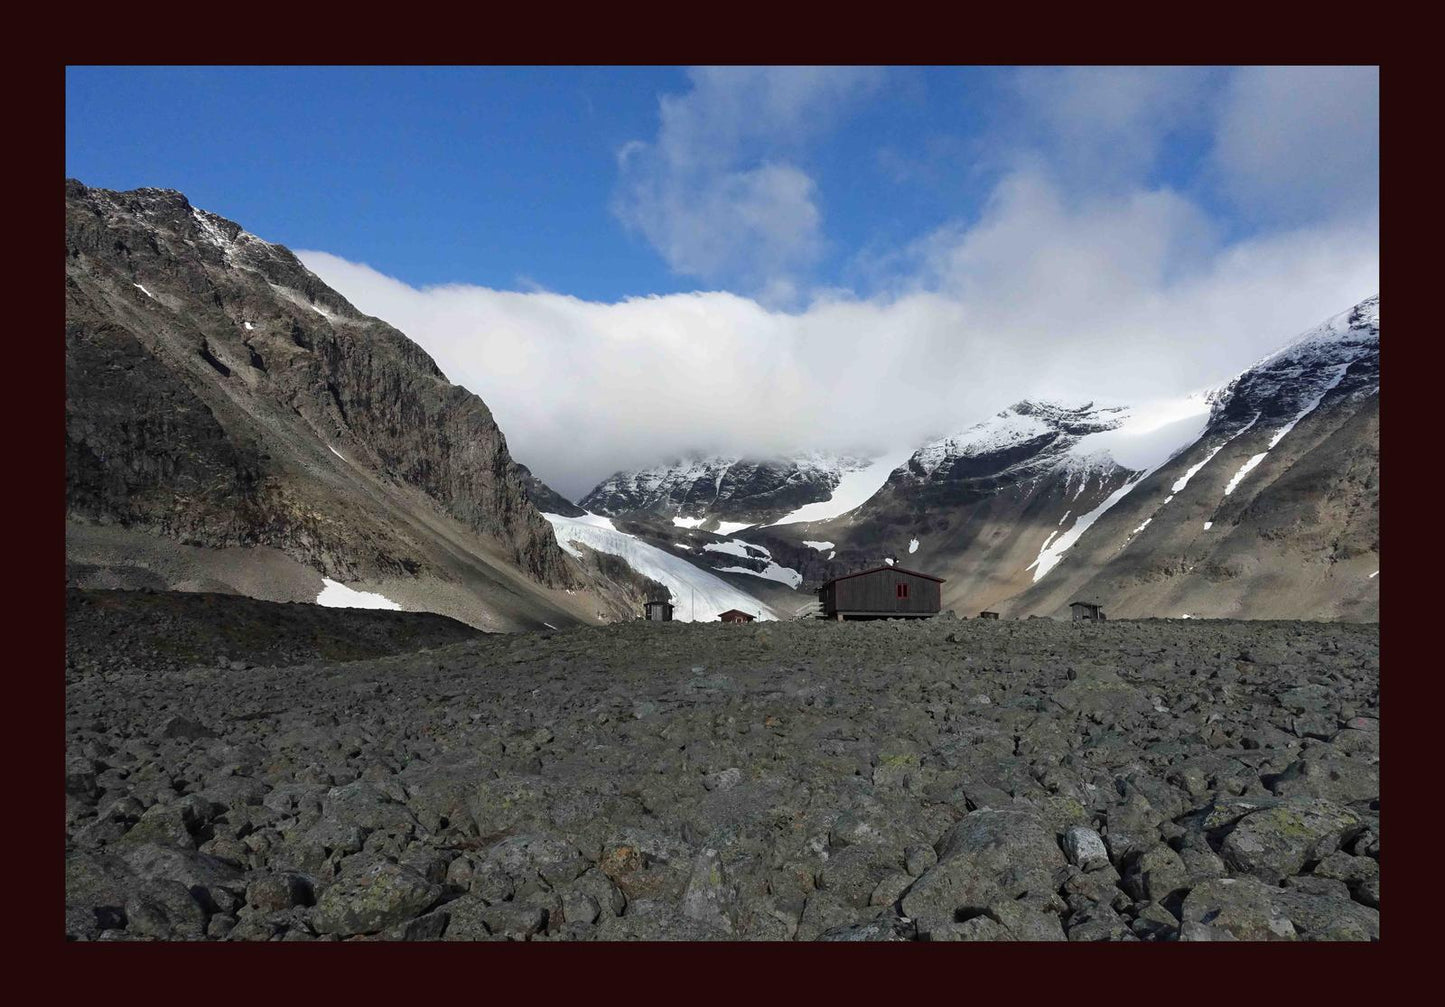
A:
<point x="902" y="589"/>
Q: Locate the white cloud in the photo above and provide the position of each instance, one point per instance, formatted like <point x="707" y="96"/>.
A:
<point x="1038" y="300"/>
<point x="1105" y="125"/>
<point x="1079" y="278"/>
<point x="1295" y="142"/>
<point x="718" y="192"/>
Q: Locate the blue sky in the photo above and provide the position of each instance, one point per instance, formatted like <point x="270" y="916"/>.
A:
<point x="507" y="177"/>
<point x="780" y="237"/>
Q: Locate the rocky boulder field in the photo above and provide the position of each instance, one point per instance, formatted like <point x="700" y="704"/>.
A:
<point x="939" y="780"/>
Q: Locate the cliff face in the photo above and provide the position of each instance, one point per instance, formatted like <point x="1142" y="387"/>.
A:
<point x="219" y="394"/>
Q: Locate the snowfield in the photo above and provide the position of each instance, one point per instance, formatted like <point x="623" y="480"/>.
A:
<point x="1147" y="437"/>
<point x="853" y="490"/>
<point x="746" y="550"/>
<point x="337" y="595"/>
<point x="697" y="595"/>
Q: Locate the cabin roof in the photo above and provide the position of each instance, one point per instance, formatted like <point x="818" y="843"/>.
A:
<point x="736" y="611"/>
<point x="877" y="569"/>
<point x="658" y="602"/>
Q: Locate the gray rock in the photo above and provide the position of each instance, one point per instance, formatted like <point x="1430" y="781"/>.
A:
<point x="1234" y="909"/>
<point x="707" y="897"/>
<point x="1276" y="842"/>
<point x="276" y="892"/>
<point x="1085" y="848"/>
<point x="987" y="857"/>
<point x="165" y="910"/>
<point x="1155" y="875"/>
<point x="370" y="898"/>
<point x="884" y="928"/>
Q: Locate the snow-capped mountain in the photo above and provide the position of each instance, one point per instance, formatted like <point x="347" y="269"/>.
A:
<point x="1086" y="442"/>
<point x="1273" y="511"/>
<point x="723" y="492"/>
<point x="1021" y="511"/>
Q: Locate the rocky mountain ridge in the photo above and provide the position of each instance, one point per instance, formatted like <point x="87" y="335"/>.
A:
<point x="705" y="489"/>
<point x="220" y="396"/>
<point x="997" y="508"/>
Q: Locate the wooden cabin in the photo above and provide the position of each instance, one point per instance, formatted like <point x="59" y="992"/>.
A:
<point x="657" y="611"/>
<point x="988" y="615"/>
<point x="884" y="592"/>
<point x="1085" y="611"/>
<point x="735" y="615"/>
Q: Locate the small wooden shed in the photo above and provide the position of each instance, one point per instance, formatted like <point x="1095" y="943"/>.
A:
<point x="988" y="615"/>
<point x="1086" y="611"/>
<point x="657" y="611"/>
<point x="735" y="615"/>
<point x="884" y="592"/>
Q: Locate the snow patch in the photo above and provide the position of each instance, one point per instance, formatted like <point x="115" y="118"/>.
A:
<point x="733" y="527"/>
<point x="338" y="595"/>
<point x="913" y="545"/>
<point x="1373" y="575"/>
<point x="853" y="490"/>
<point x="737" y="547"/>
<point x="820" y="546"/>
<point x="688" y="522"/>
<point x="696" y="594"/>
<point x="249" y="326"/>
<point x="143" y="290"/>
<point x="1065" y="517"/>
<point x="1150" y="434"/>
<point x="1142" y="526"/>
<point x="781" y="574"/>
<point x="338" y="454"/>
<point x="1244" y="470"/>
<point x="1050" y="555"/>
<point x="1309" y="407"/>
<point x="1208" y="525"/>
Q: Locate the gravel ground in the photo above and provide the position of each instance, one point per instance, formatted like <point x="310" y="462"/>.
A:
<point x="939" y="780"/>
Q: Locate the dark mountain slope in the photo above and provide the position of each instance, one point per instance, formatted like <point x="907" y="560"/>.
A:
<point x="219" y="395"/>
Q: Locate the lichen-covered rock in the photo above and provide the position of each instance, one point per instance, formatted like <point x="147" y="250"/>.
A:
<point x="367" y="899"/>
<point x="1234" y="909"/>
<point x="988" y="855"/>
<point x="1273" y="843"/>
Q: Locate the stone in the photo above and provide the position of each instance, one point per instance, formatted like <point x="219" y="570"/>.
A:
<point x="1234" y="909"/>
<point x="708" y="898"/>
<point x="1343" y="781"/>
<point x="1273" y="843"/>
<point x="1155" y="875"/>
<point x="275" y="892"/>
<point x="1155" y="923"/>
<point x="367" y="899"/>
<point x="1085" y="848"/>
<point x="884" y="928"/>
<point x="185" y="728"/>
<point x="918" y="858"/>
<point x="165" y="910"/>
<point x="986" y="857"/>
